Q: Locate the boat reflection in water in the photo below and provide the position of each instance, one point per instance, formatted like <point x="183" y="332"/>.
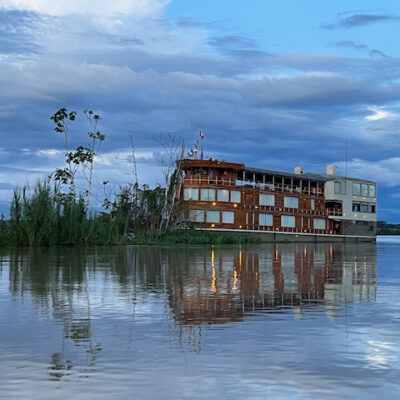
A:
<point x="224" y="285"/>
<point x="103" y="302"/>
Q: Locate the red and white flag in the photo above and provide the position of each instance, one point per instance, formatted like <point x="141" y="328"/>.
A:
<point x="201" y="135"/>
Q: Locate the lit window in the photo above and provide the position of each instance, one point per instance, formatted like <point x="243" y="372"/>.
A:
<point x="223" y="195"/>
<point x="291" y="202"/>
<point x="267" y="199"/>
<point x="196" y="215"/>
<point x="207" y="194"/>
<point x="288" y="221"/>
<point x="265" y="219"/>
<point x="213" y="216"/>
<point x="228" y="217"/>
<point x="371" y="190"/>
<point x="356" y="189"/>
<point x="319" y="223"/>
<point x="235" y="196"/>
<point x="191" y="194"/>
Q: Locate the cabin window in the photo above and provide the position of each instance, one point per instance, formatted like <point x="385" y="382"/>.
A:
<point x="191" y="194"/>
<point x="207" y="194"/>
<point x="267" y="199"/>
<point x="223" y="195"/>
<point x="291" y="202"/>
<point x="228" y="217"/>
<point x="356" y="207"/>
<point x="235" y="196"/>
<point x="340" y="187"/>
<point x="371" y="208"/>
<point x="312" y="204"/>
<point x="364" y="190"/>
<point x="196" y="215"/>
<point x="288" y="221"/>
<point x="213" y="216"/>
<point x="319" y="223"/>
<point x="356" y="189"/>
<point x="265" y="219"/>
<point x="364" y="208"/>
<point x="371" y="190"/>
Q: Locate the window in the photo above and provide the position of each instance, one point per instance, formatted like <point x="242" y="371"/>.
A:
<point x="196" y="215"/>
<point x="267" y="199"/>
<point x="288" y="221"/>
<point x="207" y="194"/>
<point x="319" y="223"/>
<point x="223" y="195"/>
<point x="371" y="208"/>
<point x="291" y="202"/>
<point x="265" y="219"/>
<point x="191" y="194"/>
<point x="364" y="190"/>
<point x="213" y="216"/>
<point x="356" y="207"/>
<point x="364" y="208"/>
<point x="340" y="187"/>
<point x="371" y="190"/>
<point x="228" y="217"/>
<point x="312" y="204"/>
<point x="356" y="189"/>
<point x="235" y="196"/>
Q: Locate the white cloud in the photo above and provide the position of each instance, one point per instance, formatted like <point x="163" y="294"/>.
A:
<point x="138" y="8"/>
<point x="48" y="152"/>
<point x="384" y="172"/>
<point x="379" y="113"/>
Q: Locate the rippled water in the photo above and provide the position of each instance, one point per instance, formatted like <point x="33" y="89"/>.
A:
<point x="268" y="321"/>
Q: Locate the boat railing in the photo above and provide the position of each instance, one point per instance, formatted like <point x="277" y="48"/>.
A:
<point x="334" y="212"/>
<point x="206" y="180"/>
<point x="283" y="229"/>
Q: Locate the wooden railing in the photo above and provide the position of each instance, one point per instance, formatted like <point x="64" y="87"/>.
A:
<point x="205" y="180"/>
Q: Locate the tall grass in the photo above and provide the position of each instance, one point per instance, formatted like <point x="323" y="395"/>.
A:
<point x="48" y="217"/>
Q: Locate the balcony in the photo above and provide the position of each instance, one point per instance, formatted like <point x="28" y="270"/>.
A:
<point x="336" y="212"/>
<point x="205" y="180"/>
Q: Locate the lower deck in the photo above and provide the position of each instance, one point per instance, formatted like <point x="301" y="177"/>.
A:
<point x="275" y="236"/>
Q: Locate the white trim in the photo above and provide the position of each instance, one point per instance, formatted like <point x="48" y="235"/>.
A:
<point x="284" y="233"/>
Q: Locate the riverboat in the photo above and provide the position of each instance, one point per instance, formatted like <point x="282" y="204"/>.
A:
<point x="274" y="205"/>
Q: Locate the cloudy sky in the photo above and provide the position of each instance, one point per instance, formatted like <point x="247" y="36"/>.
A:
<point x="271" y="84"/>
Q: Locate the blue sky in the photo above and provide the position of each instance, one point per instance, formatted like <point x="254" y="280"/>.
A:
<point x="271" y="84"/>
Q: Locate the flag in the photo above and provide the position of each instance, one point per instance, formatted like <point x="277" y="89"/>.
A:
<point x="201" y="135"/>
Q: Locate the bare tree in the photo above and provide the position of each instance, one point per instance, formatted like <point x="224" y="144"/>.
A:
<point x="173" y="147"/>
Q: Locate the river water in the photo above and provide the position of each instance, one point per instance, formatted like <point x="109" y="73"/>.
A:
<point x="284" y="321"/>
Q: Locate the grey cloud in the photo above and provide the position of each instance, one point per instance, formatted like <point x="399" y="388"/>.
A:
<point x="377" y="53"/>
<point x="354" y="46"/>
<point x="356" y="20"/>
<point x="231" y="42"/>
<point x="17" y="32"/>
<point x="351" y="45"/>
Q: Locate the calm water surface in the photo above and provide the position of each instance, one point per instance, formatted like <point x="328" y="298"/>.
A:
<point x="282" y="321"/>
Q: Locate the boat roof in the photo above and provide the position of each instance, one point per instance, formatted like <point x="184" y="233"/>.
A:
<point x="312" y="176"/>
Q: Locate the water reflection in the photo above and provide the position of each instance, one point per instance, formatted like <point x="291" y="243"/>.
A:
<point x="200" y="285"/>
<point x="87" y="292"/>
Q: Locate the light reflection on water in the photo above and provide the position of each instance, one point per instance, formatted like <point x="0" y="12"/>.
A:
<point x="280" y="321"/>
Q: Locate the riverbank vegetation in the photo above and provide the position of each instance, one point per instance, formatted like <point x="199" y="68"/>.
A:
<point x="384" y="228"/>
